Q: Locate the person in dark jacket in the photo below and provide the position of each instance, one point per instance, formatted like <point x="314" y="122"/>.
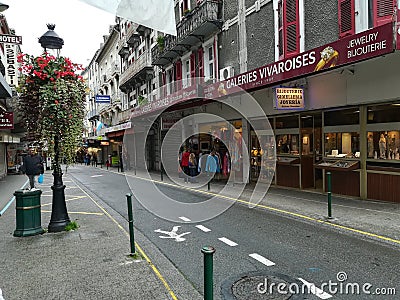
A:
<point x="33" y="166"/>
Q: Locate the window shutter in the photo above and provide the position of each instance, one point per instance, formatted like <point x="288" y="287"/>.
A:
<point x="178" y="74"/>
<point x="292" y="35"/>
<point x="346" y="18"/>
<point x="383" y="11"/>
<point x="280" y="30"/>
<point x="200" y="57"/>
<point x="193" y="67"/>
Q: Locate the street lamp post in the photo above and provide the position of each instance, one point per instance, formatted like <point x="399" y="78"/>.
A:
<point x="59" y="214"/>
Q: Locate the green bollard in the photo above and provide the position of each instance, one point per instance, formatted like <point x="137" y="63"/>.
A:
<point x="208" y="252"/>
<point x="328" y="174"/>
<point x="130" y="220"/>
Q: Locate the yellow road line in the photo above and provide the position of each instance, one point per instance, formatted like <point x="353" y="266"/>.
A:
<point x="366" y="233"/>
<point x="155" y="270"/>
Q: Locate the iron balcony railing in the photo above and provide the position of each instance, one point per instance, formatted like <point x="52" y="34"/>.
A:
<point x="142" y="62"/>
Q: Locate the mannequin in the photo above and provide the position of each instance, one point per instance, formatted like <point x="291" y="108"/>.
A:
<point x="370" y="147"/>
<point x="382" y="147"/>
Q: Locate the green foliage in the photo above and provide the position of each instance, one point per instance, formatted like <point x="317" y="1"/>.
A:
<point x="71" y="226"/>
<point x="161" y="42"/>
<point x="142" y="100"/>
<point x="52" y="101"/>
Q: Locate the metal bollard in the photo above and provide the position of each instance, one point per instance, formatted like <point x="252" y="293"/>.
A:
<point x="328" y="175"/>
<point x="162" y="172"/>
<point x="208" y="252"/>
<point x="130" y="220"/>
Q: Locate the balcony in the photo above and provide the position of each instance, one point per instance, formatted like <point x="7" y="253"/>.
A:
<point x="139" y="70"/>
<point x="203" y="21"/>
<point x="124" y="116"/>
<point x="92" y="115"/>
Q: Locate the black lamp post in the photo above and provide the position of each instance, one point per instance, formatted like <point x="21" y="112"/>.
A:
<point x="3" y="7"/>
<point x="59" y="215"/>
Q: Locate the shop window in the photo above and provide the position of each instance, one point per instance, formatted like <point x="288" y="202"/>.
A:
<point x="287" y="144"/>
<point x="342" y="117"/>
<point x="383" y="113"/>
<point x="383" y="144"/>
<point x="287" y="122"/>
<point x="342" y="144"/>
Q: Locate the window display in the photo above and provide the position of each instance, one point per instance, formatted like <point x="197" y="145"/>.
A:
<point x="383" y="145"/>
<point x="342" y="144"/>
<point x="287" y="144"/>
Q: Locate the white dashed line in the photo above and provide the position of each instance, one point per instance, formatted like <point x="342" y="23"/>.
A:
<point x="316" y="291"/>
<point x="184" y="219"/>
<point x="228" y="241"/>
<point x="262" y="259"/>
<point x="203" y="228"/>
<point x="96" y="176"/>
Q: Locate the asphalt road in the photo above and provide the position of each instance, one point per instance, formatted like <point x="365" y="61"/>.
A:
<point x="254" y="247"/>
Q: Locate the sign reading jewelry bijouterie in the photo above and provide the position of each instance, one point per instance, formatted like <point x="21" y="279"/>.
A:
<point x="6" y="120"/>
<point x="365" y="45"/>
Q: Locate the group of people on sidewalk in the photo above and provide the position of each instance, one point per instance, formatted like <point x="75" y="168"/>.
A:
<point x="190" y="166"/>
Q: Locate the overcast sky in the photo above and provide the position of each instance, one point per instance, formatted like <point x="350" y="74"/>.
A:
<point x="80" y="25"/>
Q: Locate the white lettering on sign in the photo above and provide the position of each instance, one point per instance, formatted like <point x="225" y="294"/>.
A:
<point x="365" y="44"/>
<point x="11" y="39"/>
<point x="11" y="65"/>
<point x="172" y="234"/>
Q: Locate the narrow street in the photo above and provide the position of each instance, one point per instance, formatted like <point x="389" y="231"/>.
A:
<point x="251" y="242"/>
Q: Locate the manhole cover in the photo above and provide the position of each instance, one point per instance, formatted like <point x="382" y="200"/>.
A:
<point x="259" y="287"/>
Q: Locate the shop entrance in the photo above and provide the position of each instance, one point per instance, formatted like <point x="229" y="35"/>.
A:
<point x="311" y="150"/>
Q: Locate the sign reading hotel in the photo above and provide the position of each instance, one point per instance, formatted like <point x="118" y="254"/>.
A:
<point x="289" y="98"/>
<point x="11" y="39"/>
<point x="365" y="45"/>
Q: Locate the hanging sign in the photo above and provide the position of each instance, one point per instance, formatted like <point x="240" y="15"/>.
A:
<point x="6" y="120"/>
<point x="289" y="98"/>
<point x="11" y="39"/>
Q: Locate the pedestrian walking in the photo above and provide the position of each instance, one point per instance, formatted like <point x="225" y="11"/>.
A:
<point x="211" y="163"/>
<point x="192" y="167"/>
<point x="32" y="166"/>
<point x="185" y="163"/>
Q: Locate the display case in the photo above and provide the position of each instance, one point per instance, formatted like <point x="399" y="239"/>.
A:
<point x="345" y="176"/>
<point x="342" y="144"/>
<point x="288" y="171"/>
<point x="338" y="165"/>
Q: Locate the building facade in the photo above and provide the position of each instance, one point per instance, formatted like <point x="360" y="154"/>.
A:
<point x="324" y="73"/>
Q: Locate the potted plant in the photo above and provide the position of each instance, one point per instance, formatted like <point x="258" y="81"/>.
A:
<point x="161" y="42"/>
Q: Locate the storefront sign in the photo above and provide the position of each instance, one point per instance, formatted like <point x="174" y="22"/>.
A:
<point x="103" y="98"/>
<point x="289" y="98"/>
<point x="11" y="65"/>
<point x="166" y="124"/>
<point x="11" y="39"/>
<point x="365" y="45"/>
<point x="119" y="127"/>
<point x="104" y="143"/>
<point x="6" y="120"/>
<point x="180" y="96"/>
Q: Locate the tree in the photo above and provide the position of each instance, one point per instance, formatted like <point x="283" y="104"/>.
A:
<point x="52" y="103"/>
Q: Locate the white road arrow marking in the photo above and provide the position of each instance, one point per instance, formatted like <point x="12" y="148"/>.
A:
<point x="172" y="234"/>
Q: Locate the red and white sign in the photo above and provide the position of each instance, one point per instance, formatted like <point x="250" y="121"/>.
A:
<point x="365" y="45"/>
